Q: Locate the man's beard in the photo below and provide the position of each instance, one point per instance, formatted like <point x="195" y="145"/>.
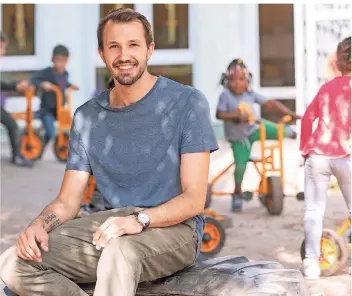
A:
<point x="124" y="79"/>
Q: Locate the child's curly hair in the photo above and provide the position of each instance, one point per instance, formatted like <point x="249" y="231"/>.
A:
<point x="343" y="54"/>
<point x="230" y="70"/>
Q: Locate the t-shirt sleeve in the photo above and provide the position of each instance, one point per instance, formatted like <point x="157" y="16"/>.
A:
<point x="77" y="156"/>
<point x="223" y="103"/>
<point x="258" y="98"/>
<point x="197" y="132"/>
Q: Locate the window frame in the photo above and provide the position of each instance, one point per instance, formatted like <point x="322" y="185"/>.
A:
<point x="252" y="57"/>
<point x="35" y="31"/>
<point x="22" y="63"/>
<point x="163" y="57"/>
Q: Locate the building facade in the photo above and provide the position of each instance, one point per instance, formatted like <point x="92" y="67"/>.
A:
<point x="280" y="43"/>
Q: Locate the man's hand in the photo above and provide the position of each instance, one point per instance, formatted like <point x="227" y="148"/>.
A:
<point x="75" y="87"/>
<point x="29" y="241"/>
<point x="47" y="86"/>
<point x="114" y="227"/>
<point x="22" y="86"/>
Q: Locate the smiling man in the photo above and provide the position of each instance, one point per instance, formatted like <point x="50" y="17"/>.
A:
<point x="147" y="142"/>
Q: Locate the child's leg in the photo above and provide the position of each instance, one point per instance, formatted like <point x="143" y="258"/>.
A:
<point x="48" y="121"/>
<point x="341" y="168"/>
<point x="271" y="129"/>
<point x="317" y="176"/>
<point x="241" y="154"/>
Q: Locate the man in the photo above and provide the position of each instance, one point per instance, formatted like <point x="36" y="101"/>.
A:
<point x="147" y="141"/>
<point x="6" y="118"/>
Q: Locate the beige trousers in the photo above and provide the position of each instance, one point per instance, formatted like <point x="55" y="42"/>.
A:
<point x="117" y="269"/>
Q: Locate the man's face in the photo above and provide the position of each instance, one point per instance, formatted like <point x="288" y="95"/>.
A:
<point x="125" y="51"/>
<point x="60" y="63"/>
<point x="3" y="47"/>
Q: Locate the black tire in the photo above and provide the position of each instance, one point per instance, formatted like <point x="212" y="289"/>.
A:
<point x="230" y="275"/>
<point x="61" y="153"/>
<point x="213" y="238"/>
<point x="32" y="151"/>
<point x="275" y="196"/>
<point x="208" y="197"/>
<point x="338" y="260"/>
<point x="300" y="196"/>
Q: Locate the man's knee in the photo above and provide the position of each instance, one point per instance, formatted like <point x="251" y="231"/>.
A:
<point x="119" y="253"/>
<point x="8" y="266"/>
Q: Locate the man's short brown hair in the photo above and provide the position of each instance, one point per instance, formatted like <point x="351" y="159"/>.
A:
<point x="124" y="15"/>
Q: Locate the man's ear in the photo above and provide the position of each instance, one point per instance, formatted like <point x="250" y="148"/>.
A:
<point x="150" y="50"/>
<point x="101" y="55"/>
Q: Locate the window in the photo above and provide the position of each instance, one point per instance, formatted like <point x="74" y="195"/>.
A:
<point x="170" y="25"/>
<point x="18" y="24"/>
<point x="106" y="8"/>
<point x="179" y="73"/>
<point x="268" y="114"/>
<point x="276" y="45"/>
<point x="102" y="77"/>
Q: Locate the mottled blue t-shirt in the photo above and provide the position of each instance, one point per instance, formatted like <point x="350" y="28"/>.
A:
<point x="229" y="102"/>
<point x="135" y="151"/>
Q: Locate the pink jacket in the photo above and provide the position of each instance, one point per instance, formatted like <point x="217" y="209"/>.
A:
<point x="331" y="108"/>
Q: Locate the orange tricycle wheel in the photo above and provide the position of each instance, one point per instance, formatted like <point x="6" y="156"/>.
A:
<point x="61" y="151"/>
<point x="31" y="146"/>
<point x="213" y="238"/>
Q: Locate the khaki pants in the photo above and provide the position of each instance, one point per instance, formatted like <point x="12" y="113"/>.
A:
<point x="117" y="269"/>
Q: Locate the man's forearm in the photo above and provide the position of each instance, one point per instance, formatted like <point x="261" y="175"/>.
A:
<point x="54" y="215"/>
<point x="175" y="211"/>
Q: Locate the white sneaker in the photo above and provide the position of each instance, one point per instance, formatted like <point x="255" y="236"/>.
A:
<point x="311" y="269"/>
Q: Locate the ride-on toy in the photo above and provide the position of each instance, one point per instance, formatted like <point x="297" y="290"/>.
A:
<point x="214" y="234"/>
<point x="64" y="120"/>
<point x="334" y="251"/>
<point x="271" y="188"/>
<point x="31" y="141"/>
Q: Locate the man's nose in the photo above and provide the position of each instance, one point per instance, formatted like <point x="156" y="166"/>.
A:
<point x="124" y="53"/>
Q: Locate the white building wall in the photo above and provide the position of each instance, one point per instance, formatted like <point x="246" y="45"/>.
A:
<point x="73" y="25"/>
<point x="218" y="33"/>
<point x="216" y="39"/>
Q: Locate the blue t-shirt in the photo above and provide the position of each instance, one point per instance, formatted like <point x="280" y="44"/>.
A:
<point x="134" y="152"/>
<point x="229" y="102"/>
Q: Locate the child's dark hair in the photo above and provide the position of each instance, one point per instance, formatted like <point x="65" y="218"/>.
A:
<point x="60" y="50"/>
<point x="225" y="76"/>
<point x="343" y="54"/>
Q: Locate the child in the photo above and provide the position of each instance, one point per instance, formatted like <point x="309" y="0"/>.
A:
<point x="327" y="152"/>
<point x="46" y="79"/>
<point x="6" y="118"/>
<point x="235" y="106"/>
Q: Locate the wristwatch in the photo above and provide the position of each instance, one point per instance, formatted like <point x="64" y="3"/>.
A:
<point x="142" y="218"/>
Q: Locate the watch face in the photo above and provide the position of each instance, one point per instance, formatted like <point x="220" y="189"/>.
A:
<point x="144" y="218"/>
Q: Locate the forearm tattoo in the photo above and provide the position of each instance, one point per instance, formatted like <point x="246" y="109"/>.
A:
<point x="51" y="221"/>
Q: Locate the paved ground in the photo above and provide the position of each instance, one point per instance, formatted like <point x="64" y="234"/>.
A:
<point x="24" y="193"/>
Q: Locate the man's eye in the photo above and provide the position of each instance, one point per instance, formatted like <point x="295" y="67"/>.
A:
<point x="134" y="44"/>
<point x="113" y="46"/>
